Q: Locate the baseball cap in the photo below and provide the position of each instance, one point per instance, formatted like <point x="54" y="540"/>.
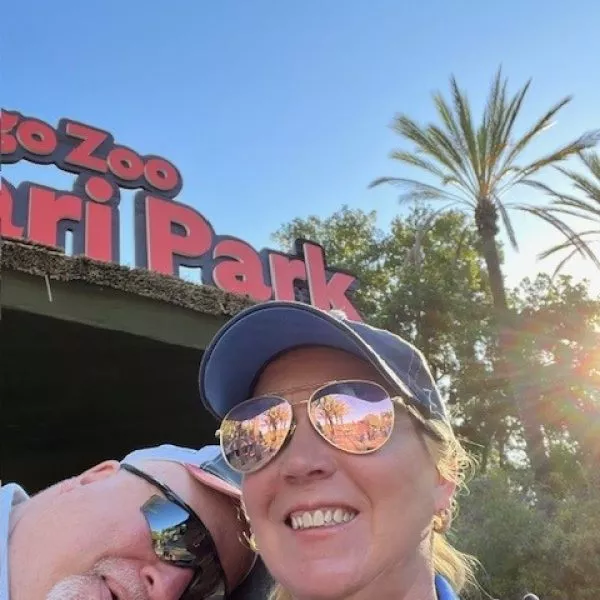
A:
<point x="241" y="349"/>
<point x="207" y="465"/>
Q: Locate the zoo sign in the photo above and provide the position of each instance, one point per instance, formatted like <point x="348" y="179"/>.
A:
<point x="167" y="234"/>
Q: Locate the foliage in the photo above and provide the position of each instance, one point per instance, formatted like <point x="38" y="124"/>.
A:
<point x="531" y="542"/>
<point x="472" y="166"/>
<point x="585" y="207"/>
<point x="352" y="241"/>
<point x="559" y="345"/>
<point x="428" y="283"/>
<point x="425" y="281"/>
<point x="476" y="164"/>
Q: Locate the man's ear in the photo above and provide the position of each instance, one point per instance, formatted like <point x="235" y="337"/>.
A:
<point x="98" y="472"/>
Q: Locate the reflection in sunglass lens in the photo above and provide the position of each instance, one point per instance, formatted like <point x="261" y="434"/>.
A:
<point x="169" y="527"/>
<point x="353" y="416"/>
<point x="254" y="431"/>
<point x="179" y="539"/>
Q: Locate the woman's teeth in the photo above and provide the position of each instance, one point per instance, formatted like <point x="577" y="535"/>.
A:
<point x="321" y="517"/>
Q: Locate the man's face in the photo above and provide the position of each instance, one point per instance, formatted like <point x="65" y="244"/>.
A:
<point x="87" y="538"/>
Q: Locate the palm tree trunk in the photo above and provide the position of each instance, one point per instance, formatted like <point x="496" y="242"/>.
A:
<point x="523" y="393"/>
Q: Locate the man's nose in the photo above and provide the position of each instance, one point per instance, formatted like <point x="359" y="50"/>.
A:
<point x="307" y="457"/>
<point x="165" y="582"/>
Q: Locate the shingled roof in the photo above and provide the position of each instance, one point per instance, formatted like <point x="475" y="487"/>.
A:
<point x="36" y="259"/>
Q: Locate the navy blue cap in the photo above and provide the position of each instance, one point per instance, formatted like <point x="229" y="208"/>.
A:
<point x="248" y="342"/>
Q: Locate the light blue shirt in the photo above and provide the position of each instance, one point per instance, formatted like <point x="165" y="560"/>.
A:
<point x="10" y="495"/>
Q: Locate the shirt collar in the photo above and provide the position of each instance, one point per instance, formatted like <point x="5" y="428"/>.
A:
<point x="10" y="496"/>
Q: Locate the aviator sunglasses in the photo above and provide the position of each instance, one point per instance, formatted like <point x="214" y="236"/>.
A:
<point x="180" y="538"/>
<point x="353" y="416"/>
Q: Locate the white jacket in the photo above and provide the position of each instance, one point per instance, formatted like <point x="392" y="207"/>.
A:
<point x="10" y="495"/>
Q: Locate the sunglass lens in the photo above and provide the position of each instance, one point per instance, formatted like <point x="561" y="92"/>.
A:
<point x="180" y="540"/>
<point x="254" y="431"/>
<point x="353" y="416"/>
<point x="170" y="530"/>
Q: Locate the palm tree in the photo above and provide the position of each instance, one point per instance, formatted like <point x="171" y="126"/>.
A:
<point x="586" y="208"/>
<point x="472" y="167"/>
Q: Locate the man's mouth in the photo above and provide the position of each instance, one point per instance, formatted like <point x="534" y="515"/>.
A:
<point x="321" y="517"/>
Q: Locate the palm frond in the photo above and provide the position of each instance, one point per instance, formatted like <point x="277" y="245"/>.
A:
<point x="543" y="187"/>
<point x="587" y="185"/>
<point x="417" y="161"/>
<point x="502" y="121"/>
<point x="575" y="250"/>
<point x="567" y="243"/>
<point x="584" y="142"/>
<point x="463" y="110"/>
<point x="421" y="191"/>
<point x="469" y="180"/>
<point x="512" y="236"/>
<point x="575" y="239"/>
<point x="562" y="263"/>
<point x="450" y="123"/>
<point x="426" y="143"/>
<point x="558" y="209"/>
<point x="472" y="161"/>
<point x="540" y="125"/>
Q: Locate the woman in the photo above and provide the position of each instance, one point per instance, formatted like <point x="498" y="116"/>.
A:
<point x="353" y="487"/>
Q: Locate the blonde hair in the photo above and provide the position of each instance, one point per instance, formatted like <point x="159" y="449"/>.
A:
<point x="454" y="464"/>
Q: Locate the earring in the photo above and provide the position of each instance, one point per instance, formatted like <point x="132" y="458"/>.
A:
<point x="442" y="520"/>
<point x="251" y="541"/>
<point x="247" y="537"/>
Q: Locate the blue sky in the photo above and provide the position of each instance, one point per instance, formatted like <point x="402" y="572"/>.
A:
<point x="274" y="110"/>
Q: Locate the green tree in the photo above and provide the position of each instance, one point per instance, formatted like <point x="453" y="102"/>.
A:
<point x="473" y="167"/>
<point x="529" y="541"/>
<point x="438" y="299"/>
<point x="352" y="241"/>
<point x="559" y="348"/>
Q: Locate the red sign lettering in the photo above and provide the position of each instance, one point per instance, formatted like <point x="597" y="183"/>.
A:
<point x="285" y="271"/>
<point x="36" y="137"/>
<point x="7" y="211"/>
<point x="240" y="270"/>
<point x="82" y="154"/>
<point x="327" y="292"/>
<point x="48" y="211"/>
<point x="125" y="164"/>
<point x="168" y="234"/>
<point x="8" y="141"/>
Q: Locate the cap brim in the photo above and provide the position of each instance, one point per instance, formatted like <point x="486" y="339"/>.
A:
<point x="213" y="482"/>
<point x="243" y="347"/>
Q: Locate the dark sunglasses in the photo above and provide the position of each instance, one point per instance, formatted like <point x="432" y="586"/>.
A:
<point x="180" y="538"/>
<point x="353" y="416"/>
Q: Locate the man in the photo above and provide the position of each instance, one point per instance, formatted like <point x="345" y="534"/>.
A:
<point x="161" y="524"/>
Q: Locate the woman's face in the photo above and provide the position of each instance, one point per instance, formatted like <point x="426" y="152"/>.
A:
<point x="389" y="496"/>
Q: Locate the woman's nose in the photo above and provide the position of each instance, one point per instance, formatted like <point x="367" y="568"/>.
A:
<point x="307" y="456"/>
<point x="165" y="582"/>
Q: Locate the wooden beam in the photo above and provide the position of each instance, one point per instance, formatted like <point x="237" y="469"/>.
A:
<point x="109" y="309"/>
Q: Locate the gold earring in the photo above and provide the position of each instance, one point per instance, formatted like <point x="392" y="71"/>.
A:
<point x="247" y="537"/>
<point x="442" y="520"/>
<point x="251" y="539"/>
<point x="248" y="540"/>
